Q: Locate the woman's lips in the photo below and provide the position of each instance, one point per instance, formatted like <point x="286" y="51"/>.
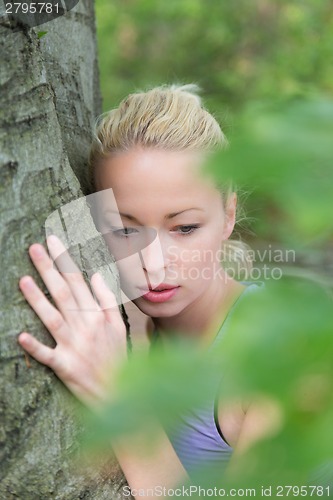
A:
<point x="161" y="293"/>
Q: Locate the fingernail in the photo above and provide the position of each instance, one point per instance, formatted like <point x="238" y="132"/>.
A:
<point x="52" y="239"/>
<point x="22" y="338"/>
<point x="26" y="282"/>
<point x="37" y="250"/>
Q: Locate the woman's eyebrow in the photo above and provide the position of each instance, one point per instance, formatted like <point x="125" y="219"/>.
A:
<point x="169" y="216"/>
<point x="173" y="214"/>
<point x="128" y="216"/>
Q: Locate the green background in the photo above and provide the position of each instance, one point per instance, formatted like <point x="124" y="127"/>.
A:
<point x="235" y="50"/>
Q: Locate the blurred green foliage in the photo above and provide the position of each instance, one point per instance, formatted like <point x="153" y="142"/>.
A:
<point x="236" y="51"/>
<point x="283" y="151"/>
<point x="278" y="349"/>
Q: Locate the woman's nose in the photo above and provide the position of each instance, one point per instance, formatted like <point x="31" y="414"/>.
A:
<point x="155" y="261"/>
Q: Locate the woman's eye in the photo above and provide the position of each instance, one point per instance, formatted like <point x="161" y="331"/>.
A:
<point x="124" y="232"/>
<point x="187" y="229"/>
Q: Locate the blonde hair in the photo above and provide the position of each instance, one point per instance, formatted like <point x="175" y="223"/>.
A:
<point x="169" y="117"/>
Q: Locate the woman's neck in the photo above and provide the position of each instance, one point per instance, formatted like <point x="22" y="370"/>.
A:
<point x="202" y="319"/>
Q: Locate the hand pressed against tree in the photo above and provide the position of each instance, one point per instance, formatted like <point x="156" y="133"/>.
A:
<point x="90" y="337"/>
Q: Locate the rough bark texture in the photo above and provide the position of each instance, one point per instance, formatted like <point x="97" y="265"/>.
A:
<point x="49" y="99"/>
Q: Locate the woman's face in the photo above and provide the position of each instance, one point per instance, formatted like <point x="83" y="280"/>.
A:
<point x="168" y="230"/>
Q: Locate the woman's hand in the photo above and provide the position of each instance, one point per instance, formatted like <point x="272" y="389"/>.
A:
<point x="90" y="337"/>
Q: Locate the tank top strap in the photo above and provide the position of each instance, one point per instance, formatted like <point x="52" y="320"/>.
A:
<point x="250" y="288"/>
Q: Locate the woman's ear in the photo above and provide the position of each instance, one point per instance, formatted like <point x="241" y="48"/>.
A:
<point x="230" y="215"/>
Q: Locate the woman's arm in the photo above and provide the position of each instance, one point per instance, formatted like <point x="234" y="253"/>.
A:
<point x="90" y="346"/>
<point x="146" y="470"/>
<point x="243" y="424"/>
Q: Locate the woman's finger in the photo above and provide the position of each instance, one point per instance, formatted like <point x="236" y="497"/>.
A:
<point x="106" y="298"/>
<point x="54" y="282"/>
<point x="36" y="349"/>
<point x="47" y="313"/>
<point x="71" y="273"/>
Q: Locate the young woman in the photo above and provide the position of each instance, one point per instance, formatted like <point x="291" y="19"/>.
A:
<point x="150" y="152"/>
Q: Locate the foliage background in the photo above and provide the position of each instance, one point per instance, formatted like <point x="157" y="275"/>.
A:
<point x="236" y="51"/>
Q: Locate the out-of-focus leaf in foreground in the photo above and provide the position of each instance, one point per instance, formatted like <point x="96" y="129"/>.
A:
<point x="284" y="154"/>
<point x="279" y="349"/>
<point x="161" y="384"/>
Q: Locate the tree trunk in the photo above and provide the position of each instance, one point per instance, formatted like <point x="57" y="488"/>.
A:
<point x="49" y="99"/>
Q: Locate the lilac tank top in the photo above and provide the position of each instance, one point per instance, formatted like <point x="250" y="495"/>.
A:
<point x="197" y="438"/>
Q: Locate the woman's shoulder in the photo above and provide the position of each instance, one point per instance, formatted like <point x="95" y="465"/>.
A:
<point x="247" y="290"/>
<point x="245" y="422"/>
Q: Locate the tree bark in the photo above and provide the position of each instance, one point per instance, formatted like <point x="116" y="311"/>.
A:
<point x="49" y="99"/>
